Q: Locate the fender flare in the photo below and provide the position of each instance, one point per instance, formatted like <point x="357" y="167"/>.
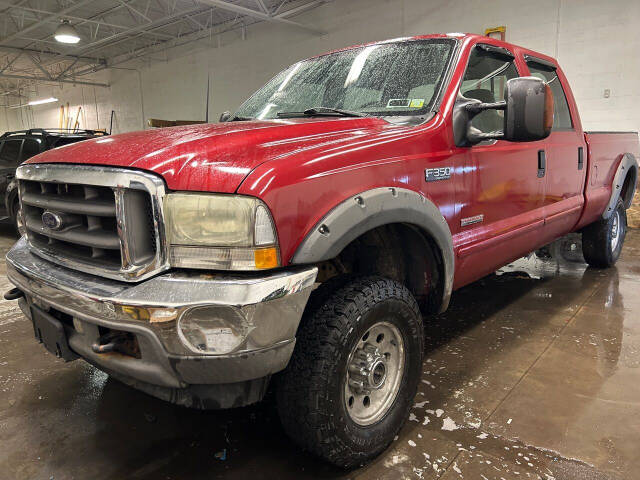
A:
<point x="374" y="208"/>
<point x="627" y="164"/>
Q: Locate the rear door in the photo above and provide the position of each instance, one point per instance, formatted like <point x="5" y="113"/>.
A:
<point x="565" y="157"/>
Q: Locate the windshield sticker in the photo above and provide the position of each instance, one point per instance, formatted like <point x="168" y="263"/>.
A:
<point x="405" y="103"/>
<point x="398" y="102"/>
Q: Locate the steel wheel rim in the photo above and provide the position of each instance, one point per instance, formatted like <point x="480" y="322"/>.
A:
<point x="374" y="372"/>
<point x="615" y="231"/>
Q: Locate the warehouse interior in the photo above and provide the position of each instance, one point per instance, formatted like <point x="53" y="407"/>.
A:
<point x="533" y="372"/>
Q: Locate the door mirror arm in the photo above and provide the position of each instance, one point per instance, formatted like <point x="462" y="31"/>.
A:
<point x="465" y="134"/>
<point x="473" y="134"/>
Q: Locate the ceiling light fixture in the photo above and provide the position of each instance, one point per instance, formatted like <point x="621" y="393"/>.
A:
<point x="66" y="33"/>
<point x="35" y="102"/>
<point x="45" y="100"/>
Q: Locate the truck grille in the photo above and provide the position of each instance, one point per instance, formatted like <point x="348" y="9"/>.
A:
<point x="105" y="221"/>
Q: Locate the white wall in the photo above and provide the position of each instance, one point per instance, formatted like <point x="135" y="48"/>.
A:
<point x="595" y="41"/>
<point x="9" y="119"/>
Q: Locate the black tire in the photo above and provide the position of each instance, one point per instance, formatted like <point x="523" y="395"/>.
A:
<point x="601" y="248"/>
<point x="311" y="397"/>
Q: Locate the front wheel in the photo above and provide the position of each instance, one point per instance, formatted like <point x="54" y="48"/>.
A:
<point x="355" y="370"/>
<point x="602" y="240"/>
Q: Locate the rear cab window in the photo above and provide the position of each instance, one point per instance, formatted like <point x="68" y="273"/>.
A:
<point x="547" y="72"/>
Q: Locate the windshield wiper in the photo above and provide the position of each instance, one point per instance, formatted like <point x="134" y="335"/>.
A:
<point x="321" y="111"/>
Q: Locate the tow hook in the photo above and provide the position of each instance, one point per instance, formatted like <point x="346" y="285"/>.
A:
<point x="13" y="294"/>
<point x="114" y="342"/>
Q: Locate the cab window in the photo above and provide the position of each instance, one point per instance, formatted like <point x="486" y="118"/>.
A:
<point x="485" y="79"/>
<point x="561" y="114"/>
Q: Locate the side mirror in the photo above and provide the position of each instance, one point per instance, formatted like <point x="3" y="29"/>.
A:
<point x="528" y="114"/>
<point x="225" y="117"/>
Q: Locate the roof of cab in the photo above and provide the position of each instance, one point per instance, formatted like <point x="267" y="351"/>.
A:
<point x="465" y="37"/>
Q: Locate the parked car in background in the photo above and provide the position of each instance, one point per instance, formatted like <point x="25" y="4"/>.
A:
<point x="18" y="146"/>
<point x="300" y="243"/>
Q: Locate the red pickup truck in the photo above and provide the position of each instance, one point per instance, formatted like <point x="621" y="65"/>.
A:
<point x="301" y="242"/>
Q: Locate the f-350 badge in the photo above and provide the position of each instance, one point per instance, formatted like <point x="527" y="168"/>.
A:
<point x="435" y="174"/>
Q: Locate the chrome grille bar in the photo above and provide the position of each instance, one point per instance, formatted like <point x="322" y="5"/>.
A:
<point x="113" y="218"/>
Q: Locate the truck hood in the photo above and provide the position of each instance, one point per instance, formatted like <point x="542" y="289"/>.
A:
<point x="214" y="157"/>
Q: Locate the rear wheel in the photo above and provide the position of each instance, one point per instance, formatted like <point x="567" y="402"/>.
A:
<point x="355" y="370"/>
<point x="602" y="240"/>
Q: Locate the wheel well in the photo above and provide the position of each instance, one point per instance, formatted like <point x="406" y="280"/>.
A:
<point x="399" y="251"/>
<point x="628" y="187"/>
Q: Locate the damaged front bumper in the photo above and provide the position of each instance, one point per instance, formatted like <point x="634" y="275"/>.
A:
<point x="138" y="334"/>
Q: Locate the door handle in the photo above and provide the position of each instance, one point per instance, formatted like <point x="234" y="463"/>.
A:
<point x="542" y="163"/>
<point x="580" y="158"/>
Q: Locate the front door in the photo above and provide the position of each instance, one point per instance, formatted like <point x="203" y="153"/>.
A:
<point x="501" y="192"/>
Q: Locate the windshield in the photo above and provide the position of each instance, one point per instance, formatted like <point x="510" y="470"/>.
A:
<point x="401" y="78"/>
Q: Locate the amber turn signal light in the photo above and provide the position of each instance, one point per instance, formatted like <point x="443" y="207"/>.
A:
<point x="266" y="258"/>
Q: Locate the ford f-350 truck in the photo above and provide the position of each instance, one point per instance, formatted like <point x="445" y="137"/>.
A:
<point x="304" y="242"/>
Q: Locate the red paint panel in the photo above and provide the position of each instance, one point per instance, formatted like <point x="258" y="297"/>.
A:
<point x="214" y="157"/>
<point x="302" y="189"/>
<point x="604" y="153"/>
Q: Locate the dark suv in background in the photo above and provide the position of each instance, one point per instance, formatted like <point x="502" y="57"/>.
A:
<point x="18" y="146"/>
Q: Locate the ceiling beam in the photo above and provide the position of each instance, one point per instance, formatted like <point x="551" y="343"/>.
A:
<point x="10" y="62"/>
<point x="97" y="64"/>
<point x="47" y="55"/>
<point x="232" y="7"/>
<point x="197" y="36"/>
<point x="262" y="6"/>
<point x="215" y="30"/>
<point x="176" y="19"/>
<point x="49" y="80"/>
<point x="79" y="20"/>
<point x="61" y="74"/>
<point x="142" y="28"/>
<point x="33" y="26"/>
<point x="301" y="8"/>
<point x="40" y="67"/>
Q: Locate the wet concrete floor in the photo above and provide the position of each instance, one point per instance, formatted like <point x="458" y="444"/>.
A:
<point x="532" y="373"/>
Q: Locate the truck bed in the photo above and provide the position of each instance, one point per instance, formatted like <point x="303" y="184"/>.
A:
<point x="604" y="152"/>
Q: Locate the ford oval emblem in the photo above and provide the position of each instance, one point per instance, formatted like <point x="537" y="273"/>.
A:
<point x="51" y="220"/>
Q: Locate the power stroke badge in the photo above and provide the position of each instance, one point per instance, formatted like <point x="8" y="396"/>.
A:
<point x="435" y="174"/>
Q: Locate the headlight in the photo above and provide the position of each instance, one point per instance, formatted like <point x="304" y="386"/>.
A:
<point x="220" y="232"/>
